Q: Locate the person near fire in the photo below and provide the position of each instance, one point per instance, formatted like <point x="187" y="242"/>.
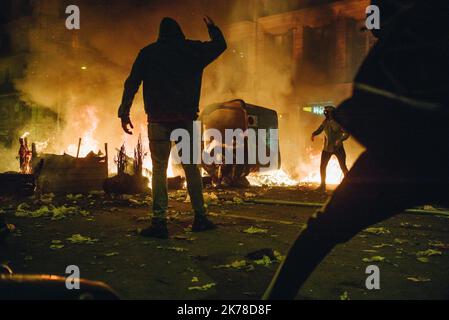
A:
<point x="399" y="111"/>
<point x="171" y="71"/>
<point x="334" y="135"/>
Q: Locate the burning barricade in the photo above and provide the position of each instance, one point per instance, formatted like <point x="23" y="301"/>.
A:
<point x="125" y="182"/>
<point x="69" y="174"/>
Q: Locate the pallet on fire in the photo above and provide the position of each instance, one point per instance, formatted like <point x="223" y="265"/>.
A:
<point x="68" y="174"/>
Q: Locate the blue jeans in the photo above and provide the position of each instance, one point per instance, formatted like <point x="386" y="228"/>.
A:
<point x="160" y="147"/>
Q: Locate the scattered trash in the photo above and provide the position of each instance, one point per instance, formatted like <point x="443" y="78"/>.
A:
<point x="194" y="279"/>
<point x="56" y="213"/>
<point x="204" y="287"/>
<point x="186" y="238"/>
<point x="382" y="245"/>
<point x="429" y="253"/>
<point x="265" y="261"/>
<point x="418" y="279"/>
<point x="177" y="249"/>
<point x="255" y="230"/>
<point x="61" y="212"/>
<point x="111" y="254"/>
<point x="22" y="210"/>
<point x="237" y="200"/>
<point x="408" y="225"/>
<point x="370" y="251"/>
<point x="345" y="296"/>
<point x="377" y="230"/>
<point x="238" y="264"/>
<point x="279" y="256"/>
<point x="423" y="259"/>
<point x="56" y="245"/>
<point x="400" y="241"/>
<point x="79" y="239"/>
<point x="249" y="195"/>
<point x="265" y="256"/>
<point x="439" y="245"/>
<point x="374" y="259"/>
<point x="137" y="202"/>
<point x="72" y="197"/>
<point x="259" y="254"/>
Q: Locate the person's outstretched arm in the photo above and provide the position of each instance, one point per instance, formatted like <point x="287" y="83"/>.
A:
<point x="212" y="49"/>
<point x="318" y="131"/>
<point x="132" y="85"/>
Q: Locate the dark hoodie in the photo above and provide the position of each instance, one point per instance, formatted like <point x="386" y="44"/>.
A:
<point x="400" y="101"/>
<point x="171" y="70"/>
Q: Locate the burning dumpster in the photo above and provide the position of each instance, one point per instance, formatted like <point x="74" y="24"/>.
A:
<point x="237" y="114"/>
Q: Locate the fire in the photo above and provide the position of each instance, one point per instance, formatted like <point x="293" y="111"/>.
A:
<point x="25" y="155"/>
<point x="334" y="175"/>
<point x="26" y="134"/>
<point x="272" y="178"/>
<point x="88" y="142"/>
<point x="148" y="168"/>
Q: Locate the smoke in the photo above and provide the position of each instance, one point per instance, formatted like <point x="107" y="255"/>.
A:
<point x="80" y="74"/>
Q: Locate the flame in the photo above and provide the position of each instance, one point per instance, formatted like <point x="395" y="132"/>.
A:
<point x="25" y="155"/>
<point x="310" y="173"/>
<point x="273" y="178"/>
<point x="26" y="134"/>
<point x="334" y="175"/>
<point x="88" y="142"/>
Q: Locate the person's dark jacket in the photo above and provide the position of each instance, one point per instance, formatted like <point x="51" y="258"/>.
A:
<point x="400" y="102"/>
<point x="171" y="70"/>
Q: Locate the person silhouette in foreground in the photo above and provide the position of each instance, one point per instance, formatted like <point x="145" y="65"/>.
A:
<point x="334" y="135"/>
<point x="171" y="70"/>
<point x="399" y="111"/>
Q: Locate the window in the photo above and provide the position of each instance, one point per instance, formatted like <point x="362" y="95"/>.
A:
<point x="318" y="55"/>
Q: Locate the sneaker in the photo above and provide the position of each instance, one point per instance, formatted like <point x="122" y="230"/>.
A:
<point x="158" y="229"/>
<point x="202" y="223"/>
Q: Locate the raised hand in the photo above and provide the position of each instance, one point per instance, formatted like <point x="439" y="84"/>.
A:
<point x="208" y="21"/>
